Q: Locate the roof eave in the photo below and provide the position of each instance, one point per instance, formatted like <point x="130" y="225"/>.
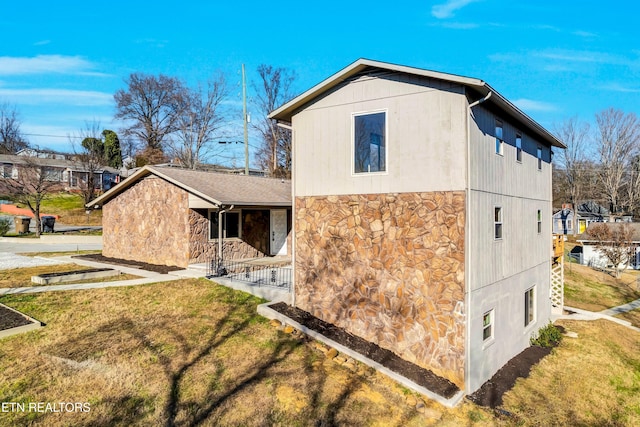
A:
<point x="286" y="111"/>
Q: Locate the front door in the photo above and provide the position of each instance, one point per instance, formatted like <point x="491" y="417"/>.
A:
<point x="278" y="235"/>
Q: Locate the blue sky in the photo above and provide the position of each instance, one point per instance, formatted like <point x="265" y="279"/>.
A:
<point x="61" y="62"/>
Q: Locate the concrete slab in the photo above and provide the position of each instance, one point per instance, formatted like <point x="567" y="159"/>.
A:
<point x="94" y="273"/>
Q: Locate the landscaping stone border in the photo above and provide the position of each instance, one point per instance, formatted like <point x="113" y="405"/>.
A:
<point x="30" y="323"/>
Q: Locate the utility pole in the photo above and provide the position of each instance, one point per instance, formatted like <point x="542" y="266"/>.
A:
<point x="244" y="115"/>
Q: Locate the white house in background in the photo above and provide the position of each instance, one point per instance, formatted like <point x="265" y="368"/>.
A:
<point x="593" y="257"/>
<point x="422" y="216"/>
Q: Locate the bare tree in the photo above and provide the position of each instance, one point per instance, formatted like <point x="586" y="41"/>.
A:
<point x="273" y="90"/>
<point x="33" y="184"/>
<point x="201" y="117"/>
<point x="11" y="138"/>
<point x="615" y="243"/>
<point x="572" y="164"/>
<point x="617" y="140"/>
<point x="91" y="158"/>
<point x="150" y="108"/>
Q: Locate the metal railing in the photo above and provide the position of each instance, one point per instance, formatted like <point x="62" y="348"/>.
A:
<point x="256" y="273"/>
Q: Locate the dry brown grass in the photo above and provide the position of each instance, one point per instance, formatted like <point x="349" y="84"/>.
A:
<point x="595" y="290"/>
<point x="21" y="277"/>
<point x="632" y="316"/>
<point x="591" y="380"/>
<point x="190" y="352"/>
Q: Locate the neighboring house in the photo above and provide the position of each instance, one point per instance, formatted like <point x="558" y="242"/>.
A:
<point x="564" y="220"/>
<point x="171" y="216"/>
<point x="44" y="154"/>
<point x="71" y="175"/>
<point x="593" y="257"/>
<point x="422" y="216"/>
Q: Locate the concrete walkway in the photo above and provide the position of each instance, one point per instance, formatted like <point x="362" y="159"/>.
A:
<point x="633" y="305"/>
<point x="579" y="314"/>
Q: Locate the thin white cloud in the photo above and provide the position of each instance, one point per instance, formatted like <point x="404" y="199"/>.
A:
<point x="447" y="9"/>
<point x="531" y="105"/>
<point x="585" y="34"/>
<point x="617" y="87"/>
<point x="46" y="64"/>
<point x="57" y="96"/>
<point x="42" y="42"/>
<point x="460" y="25"/>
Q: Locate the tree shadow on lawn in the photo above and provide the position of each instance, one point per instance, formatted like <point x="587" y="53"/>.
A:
<point x="188" y="358"/>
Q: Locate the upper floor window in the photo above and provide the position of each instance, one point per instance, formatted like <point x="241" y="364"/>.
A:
<point x="539" y="221"/>
<point x="539" y="156"/>
<point x="499" y="138"/>
<point x="497" y="222"/>
<point x="370" y="146"/>
<point x="518" y="147"/>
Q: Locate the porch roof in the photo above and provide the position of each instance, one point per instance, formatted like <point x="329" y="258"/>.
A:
<point x="216" y="188"/>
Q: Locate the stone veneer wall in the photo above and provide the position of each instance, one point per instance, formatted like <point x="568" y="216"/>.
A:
<point x="390" y="269"/>
<point x="148" y="222"/>
<point x="201" y="249"/>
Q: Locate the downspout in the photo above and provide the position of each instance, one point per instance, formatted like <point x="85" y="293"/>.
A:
<point x="221" y="237"/>
<point x="480" y="101"/>
<point x="293" y="212"/>
<point x="467" y="243"/>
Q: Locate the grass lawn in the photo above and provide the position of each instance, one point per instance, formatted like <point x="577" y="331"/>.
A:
<point x="632" y="316"/>
<point x="596" y="290"/>
<point x="21" y="277"/>
<point x="70" y="208"/>
<point x="190" y="352"/>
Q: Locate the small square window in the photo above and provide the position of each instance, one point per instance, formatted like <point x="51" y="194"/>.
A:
<point x="499" y="138"/>
<point x="539" y="156"/>
<point x="487" y="326"/>
<point x="539" y="221"/>
<point x="529" y="306"/>
<point x="369" y="143"/>
<point x="497" y="222"/>
<point x="518" y="148"/>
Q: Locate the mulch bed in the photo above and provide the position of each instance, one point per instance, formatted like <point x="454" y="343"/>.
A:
<point x="491" y="392"/>
<point x="162" y="269"/>
<point x="386" y="358"/>
<point x="10" y="319"/>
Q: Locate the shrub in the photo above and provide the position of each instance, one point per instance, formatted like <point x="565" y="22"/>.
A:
<point x="548" y="336"/>
<point x="5" y="225"/>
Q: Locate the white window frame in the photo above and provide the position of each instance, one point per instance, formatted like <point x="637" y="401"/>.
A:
<point x="530" y="306"/>
<point x="386" y="142"/>
<point x="518" y="147"/>
<point x="488" y="326"/>
<point x="539" y="218"/>
<point x="213" y="212"/>
<point x="539" y="157"/>
<point x="499" y="139"/>
<point x="498" y="223"/>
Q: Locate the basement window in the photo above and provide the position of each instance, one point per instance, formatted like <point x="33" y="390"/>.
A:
<point x="487" y="326"/>
<point x="529" y="306"/>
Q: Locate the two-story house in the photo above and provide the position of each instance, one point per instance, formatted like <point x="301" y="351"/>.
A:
<point x="422" y="216"/>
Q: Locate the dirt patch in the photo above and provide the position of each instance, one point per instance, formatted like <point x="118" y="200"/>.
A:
<point x="491" y="392"/>
<point x="9" y="319"/>
<point x="162" y="269"/>
<point x="386" y="358"/>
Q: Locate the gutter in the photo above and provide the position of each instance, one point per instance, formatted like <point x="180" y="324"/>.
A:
<point x="480" y="101"/>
